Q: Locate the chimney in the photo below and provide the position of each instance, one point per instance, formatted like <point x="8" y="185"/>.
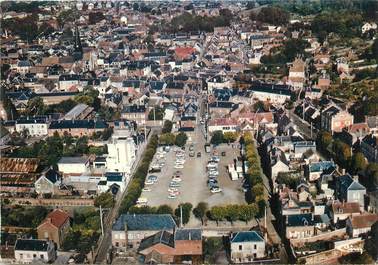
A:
<point x="355" y="178"/>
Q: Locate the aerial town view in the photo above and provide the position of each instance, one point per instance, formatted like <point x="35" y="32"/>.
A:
<point x="189" y="132"/>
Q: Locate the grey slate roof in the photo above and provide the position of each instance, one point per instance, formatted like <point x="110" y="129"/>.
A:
<point x="162" y="237"/>
<point x="300" y="220"/>
<point x="247" y="236"/>
<point x="136" y="222"/>
<point x="31" y="245"/>
<point x="188" y="234"/>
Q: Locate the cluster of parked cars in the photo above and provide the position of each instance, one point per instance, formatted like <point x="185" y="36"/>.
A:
<point x="174" y="185"/>
<point x="212" y="174"/>
<point x="159" y="159"/>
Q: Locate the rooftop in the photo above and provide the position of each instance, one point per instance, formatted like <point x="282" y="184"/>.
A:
<point x="144" y="222"/>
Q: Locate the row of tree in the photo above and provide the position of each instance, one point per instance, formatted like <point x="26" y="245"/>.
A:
<point x="228" y="137"/>
<point x="173" y="139"/>
<point x="231" y="212"/>
<point x="256" y="194"/>
<point x="137" y="183"/>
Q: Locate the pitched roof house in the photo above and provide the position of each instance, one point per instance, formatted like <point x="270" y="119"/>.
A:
<point x="54" y="227"/>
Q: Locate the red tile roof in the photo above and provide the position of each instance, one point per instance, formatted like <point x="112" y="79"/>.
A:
<point x="184" y="52"/>
<point x="364" y="220"/>
<point x="57" y="218"/>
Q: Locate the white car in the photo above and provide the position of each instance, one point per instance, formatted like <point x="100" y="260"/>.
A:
<point x="215" y="159"/>
<point x="149" y="182"/>
<point x="212" y="164"/>
<point x="171" y="190"/>
<point x="180" y="161"/>
<point x="172" y="196"/>
<point x="176" y="179"/>
<point x="215" y="190"/>
<point x="146" y="189"/>
<point x="213" y="173"/>
<point x="179" y="166"/>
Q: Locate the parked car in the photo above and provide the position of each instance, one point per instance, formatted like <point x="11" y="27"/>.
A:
<point x="215" y="190"/>
<point x="179" y="166"/>
<point x="152" y="178"/>
<point x="223" y="153"/>
<point x="199" y="154"/>
<point x="191" y="147"/>
<point x="146" y="189"/>
<point x="172" y="196"/>
<point x="215" y="159"/>
<point x="149" y="182"/>
<point x="176" y="179"/>
<point x="174" y="184"/>
<point x="172" y="189"/>
<point x="191" y="154"/>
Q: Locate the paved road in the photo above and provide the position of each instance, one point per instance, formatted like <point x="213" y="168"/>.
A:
<point x="105" y="242"/>
<point x="303" y="126"/>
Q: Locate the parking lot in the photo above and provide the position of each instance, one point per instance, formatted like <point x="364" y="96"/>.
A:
<point x="193" y="186"/>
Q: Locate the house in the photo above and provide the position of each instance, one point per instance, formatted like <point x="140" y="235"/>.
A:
<point x="300" y="226"/>
<point x="278" y="163"/>
<point x="316" y="169"/>
<point x="297" y="75"/>
<point x="34" y="250"/>
<point x="48" y="183"/>
<point x="129" y="229"/>
<point x="77" y="127"/>
<point x="182" y="246"/>
<point x="354" y="133"/>
<point x="220" y="109"/>
<point x="361" y="224"/>
<point x="218" y="81"/>
<point x="223" y="124"/>
<point x="369" y="147"/>
<point x="79" y="112"/>
<point x="334" y="119"/>
<point x="276" y="94"/>
<point x="34" y="126"/>
<point x="54" y="227"/>
<point x="137" y="113"/>
<point x="348" y="189"/>
<point x="340" y="211"/>
<point x="246" y="246"/>
<point x="73" y="165"/>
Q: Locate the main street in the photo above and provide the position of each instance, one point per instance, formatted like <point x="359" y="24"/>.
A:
<point x="303" y="126"/>
<point x="105" y="242"/>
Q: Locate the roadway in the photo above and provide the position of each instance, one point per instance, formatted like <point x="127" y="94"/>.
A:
<point x="302" y="126"/>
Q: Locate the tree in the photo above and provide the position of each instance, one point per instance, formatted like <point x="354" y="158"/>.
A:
<point x="374" y="50"/>
<point x="273" y="15"/>
<point x="324" y="139"/>
<point x="230" y="137"/>
<point x="181" y="139"/>
<point x="232" y="212"/>
<point x="186" y="208"/>
<point x="258" y="190"/>
<point x="217" y="213"/>
<point x="95" y="17"/>
<point x="358" y="162"/>
<point x="34" y="106"/>
<point x="167" y="127"/>
<point x="167" y="139"/>
<point x="342" y="153"/>
<point x="105" y="200"/>
<point x="156" y="113"/>
<point x="200" y="211"/>
<point x="142" y="210"/>
<point x="217" y="138"/>
<point x="164" y="209"/>
<point x="247" y="212"/>
<point x="371" y="173"/>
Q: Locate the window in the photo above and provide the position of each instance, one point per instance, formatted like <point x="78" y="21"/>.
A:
<point x="254" y="255"/>
<point x="240" y="247"/>
<point x="34" y="255"/>
<point x="46" y="234"/>
<point x="117" y="244"/>
<point x="254" y="246"/>
<point x="21" y="256"/>
<point x="42" y="256"/>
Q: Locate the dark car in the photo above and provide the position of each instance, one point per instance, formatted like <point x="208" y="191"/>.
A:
<point x="223" y="153"/>
<point x="199" y="154"/>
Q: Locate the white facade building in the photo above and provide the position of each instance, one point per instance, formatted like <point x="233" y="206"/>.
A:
<point x="34" y="127"/>
<point x="73" y="165"/>
<point x="34" y="251"/>
<point x="122" y="152"/>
